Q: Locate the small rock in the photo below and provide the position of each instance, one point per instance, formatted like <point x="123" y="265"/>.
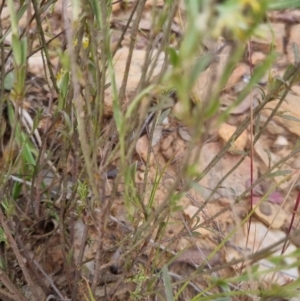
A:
<point x="236" y="75"/>
<point x="225" y="202"/>
<point x="296" y="90"/>
<point x="226" y="131"/>
<point x="281" y="141"/>
<point x="296" y="162"/>
<point x="179" y="147"/>
<point x="184" y="134"/>
<point x="273" y="127"/>
<point x="291" y="110"/>
<point x="180" y="111"/>
<point x="271" y="214"/>
<point x="263" y="44"/>
<point x="294" y="38"/>
<point x="166" y="143"/>
<point x="257" y="58"/>
<point x="263" y="155"/>
<point x="141" y="176"/>
<point x="265" y="208"/>
<point x="233" y="185"/>
<point x="168" y="153"/>
<point x="157" y="134"/>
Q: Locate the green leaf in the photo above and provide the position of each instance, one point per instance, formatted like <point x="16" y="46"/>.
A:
<point x="269" y="157"/>
<point x="255" y="268"/>
<point x="69" y="256"/>
<point x="47" y="5"/>
<point x="20" y="80"/>
<point x="23" y="50"/>
<point x="238" y="152"/>
<point x="37" y="118"/>
<point x="222" y="283"/>
<point x="276" y="260"/>
<point x="3" y="237"/>
<point x="16" y="190"/>
<point x="63" y="85"/>
<point x="280" y="79"/>
<point x="257" y="125"/>
<point x="296" y="53"/>
<point x="279" y="4"/>
<point x="13" y="17"/>
<point x="21" y="11"/>
<point x="97" y="12"/>
<point x="174" y="58"/>
<point x="167" y="284"/>
<point x="118" y="116"/>
<point x="67" y="122"/>
<point x="17" y="50"/>
<point x="289" y="117"/>
<point x="212" y="109"/>
<point x="194" y="234"/>
<point x="26" y="153"/>
<point x="9" y="81"/>
<point x="163" y="116"/>
<point x="280" y="173"/>
<point x="136" y="101"/>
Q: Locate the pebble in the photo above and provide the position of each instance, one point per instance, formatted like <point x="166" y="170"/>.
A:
<point x="281" y="141"/>
<point x="226" y="131"/>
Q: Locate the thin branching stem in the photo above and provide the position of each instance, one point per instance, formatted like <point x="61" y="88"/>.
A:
<point x="44" y="43"/>
<point x="19" y="257"/>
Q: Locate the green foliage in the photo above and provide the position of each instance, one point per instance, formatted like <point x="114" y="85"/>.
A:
<point x="3" y="239"/>
<point x="167" y="284"/>
<point x="9" y="207"/>
<point x="288" y="4"/>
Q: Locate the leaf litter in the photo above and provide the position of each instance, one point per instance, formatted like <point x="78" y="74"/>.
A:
<point x="171" y="143"/>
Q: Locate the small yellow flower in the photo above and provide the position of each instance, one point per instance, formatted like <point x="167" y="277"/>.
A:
<point x="253" y="3"/>
<point x="85" y="42"/>
<point x="75" y="42"/>
<point x="60" y="74"/>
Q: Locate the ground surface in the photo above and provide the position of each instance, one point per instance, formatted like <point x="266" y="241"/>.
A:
<point x="272" y="217"/>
